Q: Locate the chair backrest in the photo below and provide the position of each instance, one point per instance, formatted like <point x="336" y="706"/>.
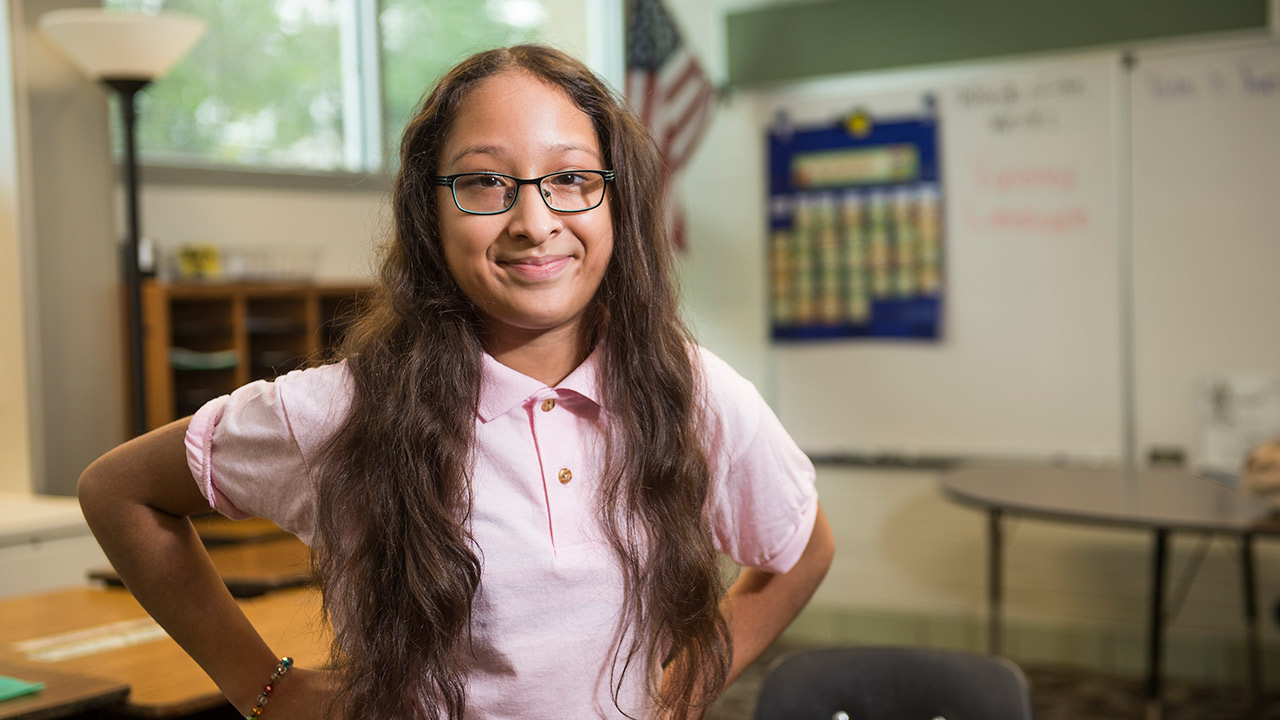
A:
<point x="893" y="683"/>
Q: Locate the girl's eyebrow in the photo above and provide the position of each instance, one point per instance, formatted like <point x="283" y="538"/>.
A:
<point x="498" y="151"/>
<point x="571" y="147"/>
<point x="475" y="150"/>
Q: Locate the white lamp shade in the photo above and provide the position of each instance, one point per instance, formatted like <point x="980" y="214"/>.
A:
<point x="108" y="45"/>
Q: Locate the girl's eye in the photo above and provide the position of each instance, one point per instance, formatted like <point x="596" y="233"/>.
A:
<point x="481" y="182"/>
<point x="567" y="178"/>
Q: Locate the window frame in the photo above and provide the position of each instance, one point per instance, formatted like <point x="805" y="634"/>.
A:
<point x="605" y="30"/>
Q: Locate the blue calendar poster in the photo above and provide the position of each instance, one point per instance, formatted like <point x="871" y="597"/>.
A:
<point x="855" y="229"/>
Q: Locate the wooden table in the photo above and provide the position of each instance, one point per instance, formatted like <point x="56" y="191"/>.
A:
<point x="252" y="568"/>
<point x="38" y="629"/>
<point x="1162" y="501"/>
<point x="215" y="529"/>
<point x="64" y="695"/>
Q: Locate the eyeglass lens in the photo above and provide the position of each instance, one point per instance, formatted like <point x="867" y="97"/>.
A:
<point x="571" y="191"/>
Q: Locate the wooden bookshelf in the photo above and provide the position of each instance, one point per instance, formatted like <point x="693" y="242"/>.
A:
<point x="204" y="340"/>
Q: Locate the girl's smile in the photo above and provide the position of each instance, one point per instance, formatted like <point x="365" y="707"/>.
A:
<point x="535" y="268"/>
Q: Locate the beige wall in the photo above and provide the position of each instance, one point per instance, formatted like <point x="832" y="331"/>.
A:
<point x="342" y="227"/>
<point x="76" y="342"/>
<point x="15" y="448"/>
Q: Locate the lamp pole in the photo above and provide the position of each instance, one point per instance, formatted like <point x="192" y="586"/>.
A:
<point x="128" y="90"/>
<point x="125" y="51"/>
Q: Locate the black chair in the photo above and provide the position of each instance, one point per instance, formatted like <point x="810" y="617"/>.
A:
<point x="893" y="683"/>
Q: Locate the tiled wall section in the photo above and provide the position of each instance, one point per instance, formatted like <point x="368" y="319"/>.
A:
<point x="1189" y="655"/>
<point x="910" y="567"/>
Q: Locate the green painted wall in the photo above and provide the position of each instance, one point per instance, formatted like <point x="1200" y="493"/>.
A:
<point x="794" y="41"/>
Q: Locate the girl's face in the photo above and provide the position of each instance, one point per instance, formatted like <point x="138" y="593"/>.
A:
<point x="529" y="270"/>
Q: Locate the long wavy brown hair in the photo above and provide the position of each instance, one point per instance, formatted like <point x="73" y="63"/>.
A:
<point x="398" y="566"/>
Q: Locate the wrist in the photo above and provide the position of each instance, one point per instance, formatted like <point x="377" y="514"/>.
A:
<point x="266" y="691"/>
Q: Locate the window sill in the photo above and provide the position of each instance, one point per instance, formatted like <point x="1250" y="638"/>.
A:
<point x="211" y="176"/>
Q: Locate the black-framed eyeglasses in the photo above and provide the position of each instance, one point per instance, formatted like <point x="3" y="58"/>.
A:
<point x="489" y="193"/>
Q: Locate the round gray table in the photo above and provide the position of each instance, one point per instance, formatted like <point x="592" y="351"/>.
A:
<point x="1162" y="501"/>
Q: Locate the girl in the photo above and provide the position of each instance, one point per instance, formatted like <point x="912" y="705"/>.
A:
<point x="518" y="480"/>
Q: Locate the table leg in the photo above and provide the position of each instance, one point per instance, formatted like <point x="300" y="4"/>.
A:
<point x="1155" y="625"/>
<point x="1250" y="591"/>
<point x="995" y="548"/>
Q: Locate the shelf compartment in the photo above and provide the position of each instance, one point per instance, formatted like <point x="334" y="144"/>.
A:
<point x="202" y="340"/>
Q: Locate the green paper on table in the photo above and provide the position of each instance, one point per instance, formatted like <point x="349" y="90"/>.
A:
<point x="11" y="687"/>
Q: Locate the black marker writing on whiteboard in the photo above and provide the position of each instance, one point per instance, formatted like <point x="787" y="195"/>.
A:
<point x="1259" y="80"/>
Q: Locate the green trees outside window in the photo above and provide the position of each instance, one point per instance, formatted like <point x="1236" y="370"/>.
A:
<point x="312" y="85"/>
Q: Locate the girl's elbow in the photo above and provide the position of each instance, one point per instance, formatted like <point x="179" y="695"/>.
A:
<point x="821" y="549"/>
<point x="827" y="553"/>
<point x="93" y="489"/>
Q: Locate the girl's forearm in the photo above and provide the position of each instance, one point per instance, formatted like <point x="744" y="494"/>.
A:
<point x="136" y="500"/>
<point x="760" y="605"/>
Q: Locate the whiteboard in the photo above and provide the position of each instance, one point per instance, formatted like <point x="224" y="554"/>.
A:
<point x="1206" y="218"/>
<point x="1029" y="362"/>
<point x="1054" y="169"/>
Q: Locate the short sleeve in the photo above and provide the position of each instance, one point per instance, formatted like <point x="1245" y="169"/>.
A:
<point x="764" y="501"/>
<point x="251" y="452"/>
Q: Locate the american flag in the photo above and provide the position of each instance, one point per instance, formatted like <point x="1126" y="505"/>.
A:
<point x="668" y="89"/>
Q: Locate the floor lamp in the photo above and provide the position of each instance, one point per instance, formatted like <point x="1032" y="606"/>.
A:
<point x="125" y="52"/>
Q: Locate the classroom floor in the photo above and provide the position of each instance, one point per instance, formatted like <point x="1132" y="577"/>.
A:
<point x="1060" y="693"/>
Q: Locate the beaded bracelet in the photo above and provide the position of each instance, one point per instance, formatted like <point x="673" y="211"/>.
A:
<point x="282" y="667"/>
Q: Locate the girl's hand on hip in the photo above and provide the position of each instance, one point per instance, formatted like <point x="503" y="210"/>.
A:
<point x="300" y="695"/>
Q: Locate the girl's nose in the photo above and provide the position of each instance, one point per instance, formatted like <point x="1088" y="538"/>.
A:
<point x="530" y="218"/>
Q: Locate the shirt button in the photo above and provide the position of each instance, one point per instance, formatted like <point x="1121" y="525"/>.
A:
<point x="548" y="404"/>
<point x="565" y="476"/>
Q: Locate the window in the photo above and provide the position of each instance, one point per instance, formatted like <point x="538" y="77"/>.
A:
<point x="417" y="47"/>
<point x="323" y="85"/>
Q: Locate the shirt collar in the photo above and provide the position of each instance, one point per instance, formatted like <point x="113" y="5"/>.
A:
<point x="502" y="388"/>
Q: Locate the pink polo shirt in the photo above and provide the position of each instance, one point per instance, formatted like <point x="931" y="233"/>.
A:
<point x="545" y="616"/>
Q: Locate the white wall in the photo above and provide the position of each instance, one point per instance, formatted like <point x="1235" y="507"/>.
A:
<point x="722" y="189"/>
